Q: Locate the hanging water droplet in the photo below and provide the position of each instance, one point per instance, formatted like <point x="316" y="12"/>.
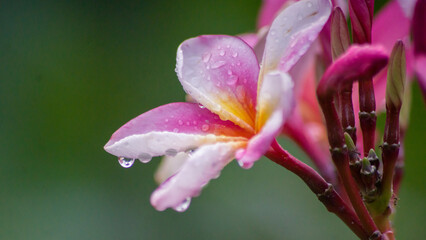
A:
<point x="206" y="57"/>
<point x="235" y="54"/>
<point x="205" y="127"/>
<point x="232" y="79"/>
<point x="180" y="122"/>
<point x="240" y="163"/>
<point x="183" y="206"/>
<point x="126" y="162"/>
<point x="222" y="53"/>
<point x="144" y="157"/>
<point x="218" y="64"/>
<point x="171" y="152"/>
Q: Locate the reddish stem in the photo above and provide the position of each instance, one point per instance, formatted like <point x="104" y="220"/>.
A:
<point x="325" y="192"/>
<point x="367" y="115"/>
<point x="318" y="156"/>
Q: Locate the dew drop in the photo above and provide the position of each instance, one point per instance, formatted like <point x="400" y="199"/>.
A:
<point x="188" y="123"/>
<point x="201" y="106"/>
<point x="222" y="53"/>
<point x="180" y="122"/>
<point x="126" y="162"/>
<point x="228" y="46"/>
<point x="171" y="152"/>
<point x="232" y="79"/>
<point x="194" y="122"/>
<point x="175" y="130"/>
<point x="166" y="120"/>
<point x="229" y="72"/>
<point x="299" y="17"/>
<point x="206" y="57"/>
<point x="183" y="206"/>
<point x="238" y="63"/>
<point x="144" y="157"/>
<point x="272" y="33"/>
<point x="205" y="127"/>
<point x="309" y="4"/>
<point x="235" y="54"/>
<point x="218" y="64"/>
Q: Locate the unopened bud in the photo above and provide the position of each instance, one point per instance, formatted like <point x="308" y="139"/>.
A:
<point x="340" y="40"/>
<point x="396" y="77"/>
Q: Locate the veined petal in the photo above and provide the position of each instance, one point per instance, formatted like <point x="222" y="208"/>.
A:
<point x="203" y="165"/>
<point x="174" y="127"/>
<point x="275" y="104"/>
<point x="169" y="166"/>
<point x="221" y="73"/>
<point x="292" y="32"/>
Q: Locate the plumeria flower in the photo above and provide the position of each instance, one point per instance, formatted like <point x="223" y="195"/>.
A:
<point x="241" y="107"/>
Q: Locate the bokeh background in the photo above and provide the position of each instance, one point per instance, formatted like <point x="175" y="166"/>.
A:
<point x="72" y="72"/>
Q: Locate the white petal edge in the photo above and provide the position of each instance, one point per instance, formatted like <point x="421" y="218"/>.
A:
<point x="157" y="143"/>
<point x="202" y="166"/>
<point x="170" y="165"/>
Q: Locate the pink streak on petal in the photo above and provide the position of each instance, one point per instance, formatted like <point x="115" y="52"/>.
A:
<point x="268" y="11"/>
<point x="276" y="103"/>
<point x="178" y="117"/>
<point x="204" y="165"/>
<point x="292" y="32"/>
<point x="249" y="38"/>
<point x="221" y="73"/>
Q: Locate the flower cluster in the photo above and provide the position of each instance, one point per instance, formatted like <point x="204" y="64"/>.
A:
<point x="300" y="75"/>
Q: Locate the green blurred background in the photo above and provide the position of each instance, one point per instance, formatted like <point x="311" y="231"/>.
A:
<point x="72" y="72"/>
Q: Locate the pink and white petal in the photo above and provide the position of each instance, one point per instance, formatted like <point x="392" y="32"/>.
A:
<point x="269" y="10"/>
<point x="169" y="166"/>
<point x="292" y="32"/>
<point x="221" y="73"/>
<point x="173" y="127"/>
<point x="202" y="166"/>
<point x="275" y="104"/>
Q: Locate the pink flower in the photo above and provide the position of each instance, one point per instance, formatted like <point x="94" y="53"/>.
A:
<point x="242" y="106"/>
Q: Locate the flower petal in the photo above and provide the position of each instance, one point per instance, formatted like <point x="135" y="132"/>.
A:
<point x="269" y="10"/>
<point x="292" y="32"/>
<point x="170" y="165"/>
<point x="173" y="127"/>
<point x="221" y="73"/>
<point x="249" y="38"/>
<point x="203" y="165"/>
<point x="421" y="73"/>
<point x="275" y="104"/>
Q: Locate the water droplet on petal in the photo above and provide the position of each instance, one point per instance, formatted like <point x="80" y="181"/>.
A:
<point x="309" y="4"/>
<point x="272" y="33"/>
<point x="206" y="57"/>
<point x="232" y="79"/>
<point x="201" y="106"/>
<point x="218" y="64"/>
<point x="175" y="130"/>
<point x="180" y="122"/>
<point x="205" y="127"/>
<point x="222" y="53"/>
<point x="240" y="163"/>
<point x="126" y="162"/>
<point x="144" y="157"/>
<point x="194" y="122"/>
<point x="171" y="152"/>
<point x="183" y="206"/>
<point x="299" y="17"/>
<point x="166" y="120"/>
<point x="235" y="54"/>
<point x="229" y="72"/>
